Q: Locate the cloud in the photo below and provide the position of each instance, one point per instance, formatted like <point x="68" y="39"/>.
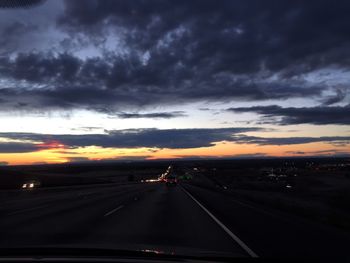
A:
<point x="14" y="147"/>
<point x="36" y="67"/>
<point x="38" y="81"/>
<point x="236" y="33"/>
<point x="12" y="31"/>
<point x="75" y="159"/>
<point x="296" y="152"/>
<point x="319" y="115"/>
<point x="135" y="138"/>
<point x="127" y="158"/>
<point x="330" y="152"/>
<point x="69" y="152"/>
<point x="345" y="140"/>
<point x="87" y="128"/>
<point x="19" y="3"/>
<point x="62" y="98"/>
<point x="338" y="97"/>
<point x="136" y="54"/>
<point x="155" y="115"/>
<point x="155" y="138"/>
<point x="249" y="155"/>
<point x="29" y="29"/>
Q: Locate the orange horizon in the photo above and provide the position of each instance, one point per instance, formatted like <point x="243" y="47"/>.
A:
<point x="219" y="150"/>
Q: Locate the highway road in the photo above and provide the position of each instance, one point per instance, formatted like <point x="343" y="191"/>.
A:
<point x="151" y="216"/>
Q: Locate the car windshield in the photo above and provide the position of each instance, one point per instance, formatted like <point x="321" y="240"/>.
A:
<point x="189" y="129"/>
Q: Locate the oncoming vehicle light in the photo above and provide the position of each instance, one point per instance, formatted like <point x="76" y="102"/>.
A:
<point x="31" y="184"/>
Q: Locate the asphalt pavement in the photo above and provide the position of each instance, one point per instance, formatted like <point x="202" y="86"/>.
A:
<point x="149" y="216"/>
<point x="184" y="219"/>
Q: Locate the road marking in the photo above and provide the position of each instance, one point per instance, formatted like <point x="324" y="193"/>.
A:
<point x="228" y="231"/>
<point x="114" y="210"/>
<point x="27" y="210"/>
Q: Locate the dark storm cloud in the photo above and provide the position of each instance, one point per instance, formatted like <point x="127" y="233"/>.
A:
<point x="338" y="97"/>
<point x="182" y="51"/>
<point x="37" y="68"/>
<point x="232" y="35"/>
<point x="102" y="84"/>
<point x="134" y="138"/>
<point x="61" y="98"/>
<point x="14" y="147"/>
<point x="196" y="48"/>
<point x="344" y="140"/>
<point x="9" y="43"/>
<point x="154" y="138"/>
<point x="155" y="115"/>
<point x="19" y="3"/>
<point x="312" y="115"/>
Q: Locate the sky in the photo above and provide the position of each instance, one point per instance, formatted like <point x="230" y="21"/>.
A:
<point x="89" y="80"/>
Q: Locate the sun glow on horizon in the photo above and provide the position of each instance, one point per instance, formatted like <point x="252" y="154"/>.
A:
<point x="61" y="154"/>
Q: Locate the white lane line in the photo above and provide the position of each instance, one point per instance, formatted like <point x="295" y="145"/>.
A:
<point x="27" y="210"/>
<point x="228" y="231"/>
<point x="114" y="210"/>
